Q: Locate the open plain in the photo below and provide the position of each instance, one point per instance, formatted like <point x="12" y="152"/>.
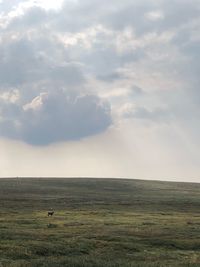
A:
<point x="98" y="223"/>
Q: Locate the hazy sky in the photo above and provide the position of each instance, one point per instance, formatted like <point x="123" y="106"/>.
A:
<point x="100" y="88"/>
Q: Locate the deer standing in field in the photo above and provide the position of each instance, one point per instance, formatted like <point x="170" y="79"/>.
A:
<point x="50" y="213"/>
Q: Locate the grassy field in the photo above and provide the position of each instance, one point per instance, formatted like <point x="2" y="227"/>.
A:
<point x="99" y="223"/>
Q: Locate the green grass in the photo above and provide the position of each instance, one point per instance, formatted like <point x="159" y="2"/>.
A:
<point x="99" y="223"/>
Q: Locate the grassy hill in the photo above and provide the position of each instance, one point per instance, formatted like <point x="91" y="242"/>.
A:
<point x="99" y="223"/>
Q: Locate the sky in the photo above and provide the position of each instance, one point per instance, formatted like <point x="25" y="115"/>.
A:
<point x="95" y="88"/>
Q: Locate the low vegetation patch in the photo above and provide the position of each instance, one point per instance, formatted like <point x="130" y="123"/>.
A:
<point x="99" y="223"/>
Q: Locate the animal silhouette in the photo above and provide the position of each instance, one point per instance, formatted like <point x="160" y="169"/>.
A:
<point x="50" y="213"/>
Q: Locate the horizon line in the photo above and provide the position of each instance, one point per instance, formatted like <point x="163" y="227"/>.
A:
<point x="90" y="177"/>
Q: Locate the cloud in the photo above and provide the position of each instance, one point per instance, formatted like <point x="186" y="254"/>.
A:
<point x="154" y="15"/>
<point x="94" y="50"/>
<point x="27" y="60"/>
<point x="53" y="117"/>
<point x="110" y="77"/>
<point x="156" y="115"/>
